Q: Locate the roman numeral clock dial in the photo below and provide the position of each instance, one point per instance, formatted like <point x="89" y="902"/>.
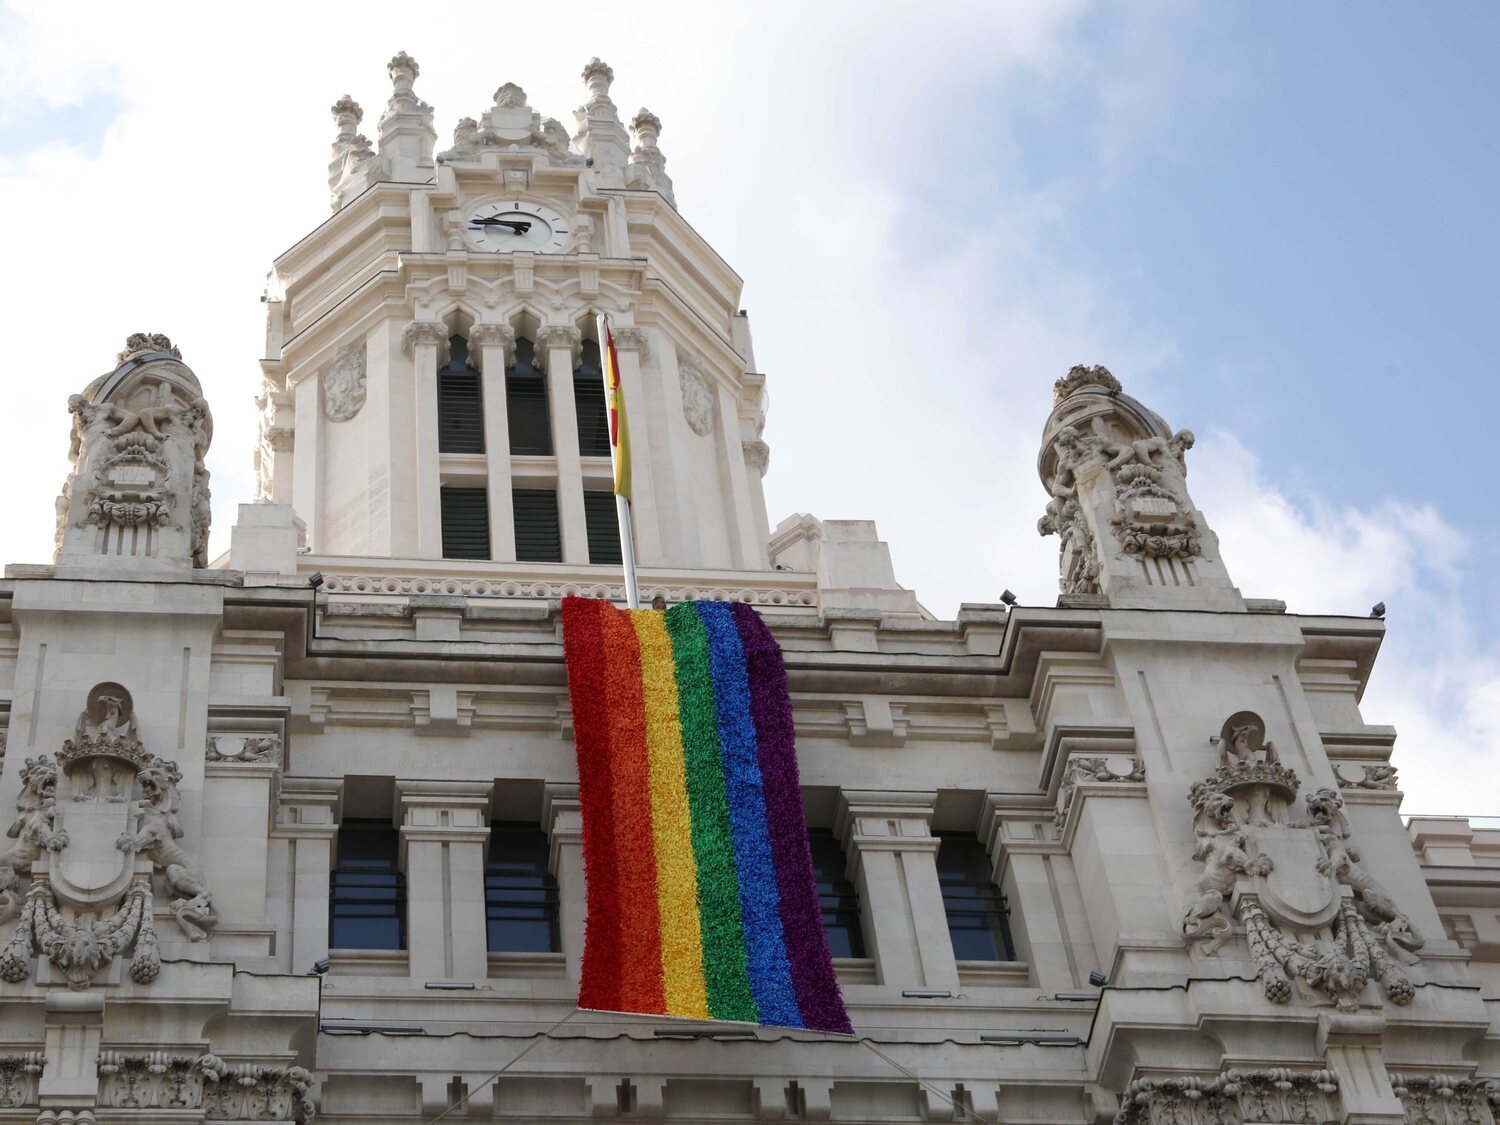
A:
<point x="501" y="228"/>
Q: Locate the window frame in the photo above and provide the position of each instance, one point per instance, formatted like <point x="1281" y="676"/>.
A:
<point x="549" y="900"/>
<point x="348" y="866"/>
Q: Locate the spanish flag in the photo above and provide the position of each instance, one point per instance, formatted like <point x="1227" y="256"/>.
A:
<point x="619" y="428"/>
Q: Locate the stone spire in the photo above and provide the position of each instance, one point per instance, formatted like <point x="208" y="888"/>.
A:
<point x="406" y="133"/>
<point x="648" y="167"/>
<point x="600" y="135"/>
<point x="1117" y="475"/>
<point x="136" y="497"/>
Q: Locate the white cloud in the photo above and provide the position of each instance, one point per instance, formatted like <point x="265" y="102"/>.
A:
<point x="913" y="283"/>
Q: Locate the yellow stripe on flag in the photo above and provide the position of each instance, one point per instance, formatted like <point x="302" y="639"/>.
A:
<point x="619" y="427"/>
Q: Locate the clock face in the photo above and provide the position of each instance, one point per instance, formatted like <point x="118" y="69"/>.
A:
<point x="500" y="228"/>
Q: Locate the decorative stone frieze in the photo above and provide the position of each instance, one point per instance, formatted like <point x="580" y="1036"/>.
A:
<point x="1312" y="914"/>
<point x="1446" y="1100"/>
<point x="698" y="405"/>
<point x="559" y="336"/>
<point x="1272" y="1094"/>
<point x="259" y="749"/>
<point x="343" y="383"/>
<point x="1374" y="775"/>
<point x="1091" y="770"/>
<point x="483" y="336"/>
<point x="138" y="490"/>
<point x="157" y="1079"/>
<point x="335" y="583"/>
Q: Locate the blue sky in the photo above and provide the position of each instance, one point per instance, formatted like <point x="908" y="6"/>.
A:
<point x="1272" y="221"/>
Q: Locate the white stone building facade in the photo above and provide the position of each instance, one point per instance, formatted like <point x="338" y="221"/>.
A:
<point x="297" y="830"/>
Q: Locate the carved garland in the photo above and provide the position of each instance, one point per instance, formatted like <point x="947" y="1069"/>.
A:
<point x="1273" y="1094"/>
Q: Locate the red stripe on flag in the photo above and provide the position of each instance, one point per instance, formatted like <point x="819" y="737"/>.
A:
<point x="583" y="643"/>
<point x="641" y="987"/>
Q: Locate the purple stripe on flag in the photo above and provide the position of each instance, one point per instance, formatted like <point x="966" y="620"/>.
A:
<point x="818" y="995"/>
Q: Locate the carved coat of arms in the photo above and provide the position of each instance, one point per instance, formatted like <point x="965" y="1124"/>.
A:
<point x="1313" y="916"/>
<point x="96" y="824"/>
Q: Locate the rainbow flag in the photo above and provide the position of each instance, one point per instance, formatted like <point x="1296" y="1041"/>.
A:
<point x="701" y="898"/>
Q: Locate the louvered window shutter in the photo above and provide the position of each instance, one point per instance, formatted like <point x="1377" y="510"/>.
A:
<point x="602" y="517"/>
<point x="526" y="404"/>
<point x="588" y="398"/>
<point x="537" y="536"/>
<point x="460" y="409"/>
<point x="466" y="523"/>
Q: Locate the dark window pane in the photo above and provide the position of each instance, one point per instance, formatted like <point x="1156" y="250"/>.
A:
<point x="520" y="896"/>
<point x="460" y="409"/>
<point x="603" y="519"/>
<point x="836" y="895"/>
<point x="537" y="536"/>
<point x="466" y="523"/>
<point x="588" y="397"/>
<point x="978" y="917"/>
<point x="526" y="403"/>
<point x="367" y="895"/>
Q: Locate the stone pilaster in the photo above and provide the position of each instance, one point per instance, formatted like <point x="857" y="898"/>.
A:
<point x="562" y="818"/>
<point x="562" y="345"/>
<point x="630" y="344"/>
<point x="444" y="833"/>
<point x="426" y="342"/>
<point x="307" y="822"/>
<point x="893" y="858"/>
<point x="493" y="345"/>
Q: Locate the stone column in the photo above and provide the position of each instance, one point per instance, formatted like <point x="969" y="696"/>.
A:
<point x="630" y="343"/>
<point x="494" y="345"/>
<point x="1046" y="912"/>
<point x="893" y="857"/>
<point x="563" y="820"/>
<point x="563" y="345"/>
<point x="444" y="833"/>
<point x="238" y="781"/>
<point x="307" y="819"/>
<point x="426" y="341"/>
<point x="757" y="460"/>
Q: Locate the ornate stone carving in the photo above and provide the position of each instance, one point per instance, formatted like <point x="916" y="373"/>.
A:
<point x="1376" y="775"/>
<point x="403" y="71"/>
<point x="34" y="831"/>
<point x="18" y="1078"/>
<point x="1152" y="514"/>
<point x="1440" y="1099"/>
<point x="80" y="853"/>
<point x="1312" y="914"/>
<point x="1273" y="1094"/>
<point x="157" y="1079"/>
<point x="757" y="455"/>
<point x="344" y="383"/>
<point x="400" y="584"/>
<point x="1079" y="561"/>
<point x="1080" y="376"/>
<point x="629" y="337"/>
<point x="243" y="748"/>
<point x="560" y="336"/>
<point x="647" y="170"/>
<point x="698" y="405"/>
<point x="425" y="332"/>
<point x="1104" y="770"/>
<point x="261" y="1093"/>
<point x="140" y="435"/>
<point x="146" y="343"/>
<point x="247" y="1092"/>
<point x="598" y="76"/>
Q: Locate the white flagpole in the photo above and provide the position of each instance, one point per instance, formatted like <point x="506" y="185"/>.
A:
<point x="608" y="360"/>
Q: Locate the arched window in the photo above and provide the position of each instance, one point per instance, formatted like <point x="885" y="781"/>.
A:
<point x="526" y="403"/>
<point x="588" y="397"/>
<point x="460" y="410"/>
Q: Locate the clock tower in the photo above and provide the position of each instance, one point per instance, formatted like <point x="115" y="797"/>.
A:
<point x="431" y="382"/>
